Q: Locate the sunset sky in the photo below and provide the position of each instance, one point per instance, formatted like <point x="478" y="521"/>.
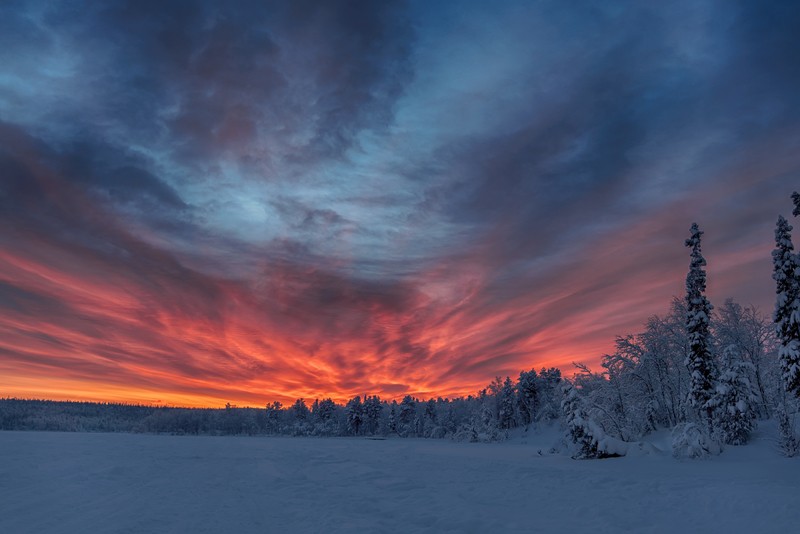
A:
<point x="271" y="200"/>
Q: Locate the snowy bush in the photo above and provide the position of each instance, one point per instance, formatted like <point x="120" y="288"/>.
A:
<point x="691" y="441"/>
<point x="438" y="432"/>
<point x="466" y="432"/>
<point x="787" y="441"/>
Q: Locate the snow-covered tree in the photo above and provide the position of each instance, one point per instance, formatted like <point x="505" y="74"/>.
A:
<point x="272" y="420"/>
<point x="372" y="413"/>
<point x="691" y="441"/>
<point x="747" y="334"/>
<point x="300" y="415"/>
<point x="734" y="401"/>
<point x="634" y="400"/>
<point x="664" y="346"/>
<point x="447" y="416"/>
<point x="527" y="396"/>
<point x="392" y="424"/>
<point x="796" y="200"/>
<point x="325" y="420"/>
<point x="482" y="424"/>
<point x="549" y="394"/>
<point x="430" y="420"/>
<point x="786" y="273"/>
<point x="407" y="415"/>
<point x="787" y="441"/>
<point x="355" y="414"/>
<point x="581" y="431"/>
<point x="698" y="311"/>
<point x="505" y="405"/>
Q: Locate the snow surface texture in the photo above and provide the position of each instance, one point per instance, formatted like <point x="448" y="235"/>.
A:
<point x="130" y="483"/>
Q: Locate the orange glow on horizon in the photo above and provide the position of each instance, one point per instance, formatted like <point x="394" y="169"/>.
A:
<point x="85" y="326"/>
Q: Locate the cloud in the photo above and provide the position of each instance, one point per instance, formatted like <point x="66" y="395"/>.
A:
<point x="276" y="200"/>
<point x="256" y="83"/>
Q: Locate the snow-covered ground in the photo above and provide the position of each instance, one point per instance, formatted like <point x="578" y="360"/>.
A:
<point x="97" y="483"/>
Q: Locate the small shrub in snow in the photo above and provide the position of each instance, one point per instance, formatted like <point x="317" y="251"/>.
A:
<point x="786" y="439"/>
<point x="466" y="432"/>
<point x="438" y="432"/>
<point x="691" y="441"/>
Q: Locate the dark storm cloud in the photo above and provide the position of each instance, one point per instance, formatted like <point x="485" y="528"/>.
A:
<point x="304" y="77"/>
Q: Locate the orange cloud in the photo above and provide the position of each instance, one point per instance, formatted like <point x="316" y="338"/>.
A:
<point x="83" y="325"/>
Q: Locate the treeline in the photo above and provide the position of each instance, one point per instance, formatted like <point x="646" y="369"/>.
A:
<point x="486" y="416"/>
<point x="65" y="416"/>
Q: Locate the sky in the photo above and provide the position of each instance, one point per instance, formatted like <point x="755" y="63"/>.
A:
<point x="247" y="202"/>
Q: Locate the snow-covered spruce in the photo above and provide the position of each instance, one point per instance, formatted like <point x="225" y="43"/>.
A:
<point x="583" y="433"/>
<point x="355" y="414"/>
<point x="373" y="410"/>
<point x="406" y="416"/>
<point x="786" y="273"/>
<point x="734" y="412"/>
<point x="527" y="396"/>
<point x="506" y="399"/>
<point x="699" y="361"/>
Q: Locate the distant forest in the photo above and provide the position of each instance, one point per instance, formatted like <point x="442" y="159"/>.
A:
<point x="708" y="374"/>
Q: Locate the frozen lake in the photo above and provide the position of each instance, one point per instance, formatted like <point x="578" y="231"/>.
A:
<point x="91" y="483"/>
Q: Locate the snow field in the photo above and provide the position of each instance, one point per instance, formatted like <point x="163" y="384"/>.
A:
<point x="131" y="483"/>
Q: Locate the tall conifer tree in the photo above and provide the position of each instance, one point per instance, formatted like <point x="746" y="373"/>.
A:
<point x="786" y="273"/>
<point x="699" y="360"/>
